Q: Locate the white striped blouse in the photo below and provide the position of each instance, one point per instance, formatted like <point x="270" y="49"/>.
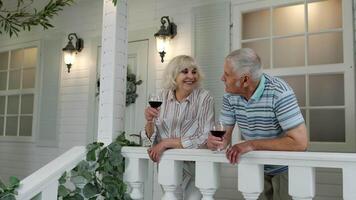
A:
<point x="190" y="120"/>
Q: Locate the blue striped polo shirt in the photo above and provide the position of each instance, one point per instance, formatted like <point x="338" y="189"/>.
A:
<point x="269" y="113"/>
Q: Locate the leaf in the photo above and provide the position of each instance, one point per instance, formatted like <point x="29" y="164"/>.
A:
<point x="63" y="178"/>
<point x="91" y="156"/>
<point x="90" y="190"/>
<point x="8" y="197"/>
<point x="14" y="182"/>
<point x="63" y="191"/>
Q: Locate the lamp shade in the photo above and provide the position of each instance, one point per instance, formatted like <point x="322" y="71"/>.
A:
<point x="69" y="57"/>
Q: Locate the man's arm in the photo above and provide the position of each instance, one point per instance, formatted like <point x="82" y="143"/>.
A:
<point x="294" y="139"/>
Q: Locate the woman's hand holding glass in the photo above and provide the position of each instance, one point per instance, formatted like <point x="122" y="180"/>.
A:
<point x="152" y="111"/>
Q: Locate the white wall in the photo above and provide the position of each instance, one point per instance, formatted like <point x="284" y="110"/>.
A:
<point x="76" y="90"/>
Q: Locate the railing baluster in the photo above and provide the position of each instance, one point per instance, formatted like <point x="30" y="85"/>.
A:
<point x="207" y="178"/>
<point x="250" y="180"/>
<point x="50" y="192"/>
<point x="135" y="174"/>
<point x="348" y="179"/>
<point x="170" y="173"/>
<point x="301" y="182"/>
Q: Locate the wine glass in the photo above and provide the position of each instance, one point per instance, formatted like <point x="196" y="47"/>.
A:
<point x="218" y="130"/>
<point x="155" y="100"/>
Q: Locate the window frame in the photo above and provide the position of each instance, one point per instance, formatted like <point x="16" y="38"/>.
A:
<point x="346" y="68"/>
<point x="34" y="91"/>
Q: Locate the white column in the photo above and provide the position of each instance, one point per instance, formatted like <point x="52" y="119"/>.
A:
<point x="348" y="182"/>
<point x="250" y="180"/>
<point x="207" y="178"/>
<point x="135" y="175"/>
<point x="170" y="174"/>
<point x="301" y="182"/>
<point x="50" y="191"/>
<point x="113" y="71"/>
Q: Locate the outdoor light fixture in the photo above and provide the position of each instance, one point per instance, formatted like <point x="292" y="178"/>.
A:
<point x="164" y="35"/>
<point x="70" y="51"/>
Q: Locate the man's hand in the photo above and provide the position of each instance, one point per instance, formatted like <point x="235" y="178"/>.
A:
<point x="156" y="151"/>
<point x="233" y="153"/>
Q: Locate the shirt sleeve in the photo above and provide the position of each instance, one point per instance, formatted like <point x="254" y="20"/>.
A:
<point x="227" y="115"/>
<point x="287" y="111"/>
<point x="204" y="122"/>
<point x="149" y="141"/>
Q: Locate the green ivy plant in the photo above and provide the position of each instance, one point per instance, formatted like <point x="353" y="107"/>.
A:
<point x="8" y="191"/>
<point x="12" y="21"/>
<point x="99" y="176"/>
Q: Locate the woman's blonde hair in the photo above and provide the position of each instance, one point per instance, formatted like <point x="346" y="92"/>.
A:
<point x="175" y="66"/>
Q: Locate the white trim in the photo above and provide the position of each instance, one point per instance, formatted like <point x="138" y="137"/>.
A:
<point x="346" y="68"/>
<point x="34" y="91"/>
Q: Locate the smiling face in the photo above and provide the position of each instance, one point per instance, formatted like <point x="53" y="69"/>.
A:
<point x="187" y="79"/>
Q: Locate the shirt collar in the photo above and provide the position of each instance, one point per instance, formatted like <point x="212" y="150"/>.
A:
<point x="258" y="92"/>
<point x="172" y="96"/>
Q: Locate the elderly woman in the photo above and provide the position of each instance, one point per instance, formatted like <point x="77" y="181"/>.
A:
<point x="184" y="118"/>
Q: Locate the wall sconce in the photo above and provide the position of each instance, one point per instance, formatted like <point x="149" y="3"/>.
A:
<point x="164" y="35"/>
<point x="70" y="51"/>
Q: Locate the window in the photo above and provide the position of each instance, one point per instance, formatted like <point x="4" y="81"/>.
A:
<point x="18" y="69"/>
<point x="310" y="45"/>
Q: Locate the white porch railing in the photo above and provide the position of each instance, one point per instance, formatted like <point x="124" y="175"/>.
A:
<point x="250" y="171"/>
<point x="45" y="180"/>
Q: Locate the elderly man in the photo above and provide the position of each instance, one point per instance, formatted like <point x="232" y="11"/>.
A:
<point x="267" y="113"/>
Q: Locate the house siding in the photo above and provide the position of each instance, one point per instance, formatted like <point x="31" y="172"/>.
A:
<point x="76" y="89"/>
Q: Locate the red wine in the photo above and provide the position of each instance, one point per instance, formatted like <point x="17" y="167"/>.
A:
<point x="218" y="133"/>
<point x="155" y="104"/>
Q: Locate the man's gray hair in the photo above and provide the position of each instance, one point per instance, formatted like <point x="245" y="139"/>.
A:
<point x="246" y="60"/>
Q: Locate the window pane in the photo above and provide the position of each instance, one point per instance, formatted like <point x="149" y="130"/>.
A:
<point x="25" y="126"/>
<point x="16" y="58"/>
<point x="30" y="57"/>
<point x="27" y="104"/>
<point x="327" y="125"/>
<point x="298" y="85"/>
<point x="331" y="46"/>
<point x="28" y="78"/>
<point x="288" y="52"/>
<point x="288" y="20"/>
<point x="4" y="60"/>
<point x="326" y="90"/>
<point x="11" y="126"/>
<point x="330" y="11"/>
<point x="2" y="105"/>
<point x="14" y="79"/>
<point x="255" y="24"/>
<point x="1" y="126"/>
<point x="13" y="104"/>
<point x="262" y="49"/>
<point x="3" y="80"/>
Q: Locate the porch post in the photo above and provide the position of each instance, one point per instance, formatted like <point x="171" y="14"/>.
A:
<point x="170" y="173"/>
<point x="250" y="180"/>
<point x="301" y="182"/>
<point x="207" y="178"/>
<point x="113" y="71"/>
<point x="135" y="174"/>
<point x="348" y="182"/>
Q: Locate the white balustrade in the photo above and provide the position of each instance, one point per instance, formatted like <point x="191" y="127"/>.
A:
<point x="250" y="170"/>
<point x="135" y="172"/>
<point x="45" y="180"/>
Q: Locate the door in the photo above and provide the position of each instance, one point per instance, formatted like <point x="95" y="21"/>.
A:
<point x="137" y="64"/>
